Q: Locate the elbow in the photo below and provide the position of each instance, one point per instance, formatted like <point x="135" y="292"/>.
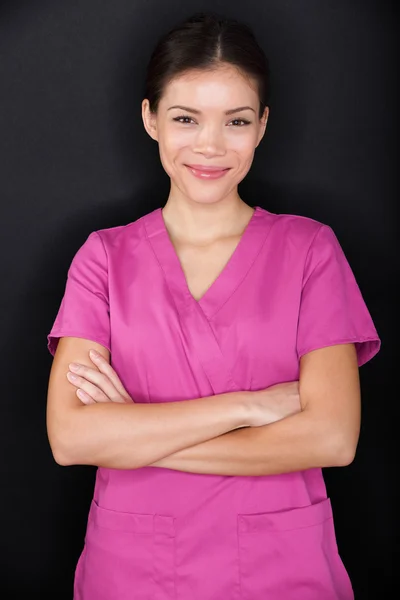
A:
<point x="60" y="454"/>
<point x="61" y="459"/>
<point x="341" y="451"/>
<point x="347" y="455"/>
<point x="65" y="438"/>
<point x="61" y="447"/>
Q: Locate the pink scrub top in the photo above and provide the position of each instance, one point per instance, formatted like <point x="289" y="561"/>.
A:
<point x="160" y="534"/>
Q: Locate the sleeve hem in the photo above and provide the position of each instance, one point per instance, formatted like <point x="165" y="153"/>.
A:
<point x="366" y="347"/>
<point x="53" y="338"/>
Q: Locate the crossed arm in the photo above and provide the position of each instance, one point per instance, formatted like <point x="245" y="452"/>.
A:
<point x="324" y="433"/>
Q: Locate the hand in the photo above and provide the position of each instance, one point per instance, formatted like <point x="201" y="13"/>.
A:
<point x="274" y="403"/>
<point x="100" y="384"/>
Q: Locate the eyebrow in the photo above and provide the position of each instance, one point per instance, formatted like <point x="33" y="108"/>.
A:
<point x="198" y="112"/>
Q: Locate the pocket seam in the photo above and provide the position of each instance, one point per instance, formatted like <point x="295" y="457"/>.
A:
<point x="308" y="516"/>
<point x="276" y="530"/>
<point x="133" y="523"/>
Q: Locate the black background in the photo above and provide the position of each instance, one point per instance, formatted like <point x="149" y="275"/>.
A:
<point x="74" y="157"/>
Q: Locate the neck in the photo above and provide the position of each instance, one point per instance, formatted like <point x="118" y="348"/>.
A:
<point x="203" y="223"/>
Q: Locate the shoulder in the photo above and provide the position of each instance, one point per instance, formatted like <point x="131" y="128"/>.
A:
<point x="116" y="238"/>
<point x="297" y="230"/>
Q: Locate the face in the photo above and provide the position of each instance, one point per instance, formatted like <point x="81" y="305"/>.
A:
<point x="199" y="123"/>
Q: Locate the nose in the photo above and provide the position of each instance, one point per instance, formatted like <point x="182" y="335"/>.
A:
<point x="210" y="141"/>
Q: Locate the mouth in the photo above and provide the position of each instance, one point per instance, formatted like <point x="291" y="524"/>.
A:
<point x="208" y="172"/>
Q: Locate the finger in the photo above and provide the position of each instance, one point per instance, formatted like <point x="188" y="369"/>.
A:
<point x="108" y="370"/>
<point x="99" y="380"/>
<point x="84" y="397"/>
<point x="92" y="390"/>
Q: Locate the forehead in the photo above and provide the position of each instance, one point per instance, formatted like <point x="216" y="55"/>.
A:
<point x="208" y="88"/>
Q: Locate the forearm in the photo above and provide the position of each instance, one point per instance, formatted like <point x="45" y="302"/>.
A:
<point x="296" y="443"/>
<point x="128" y="436"/>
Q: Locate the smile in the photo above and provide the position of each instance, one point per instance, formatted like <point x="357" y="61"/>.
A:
<point x="207" y="174"/>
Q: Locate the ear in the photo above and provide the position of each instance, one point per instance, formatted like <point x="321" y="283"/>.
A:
<point x="263" y="125"/>
<point x="149" y="120"/>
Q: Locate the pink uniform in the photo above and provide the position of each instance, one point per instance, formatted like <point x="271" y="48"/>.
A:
<point x="160" y="534"/>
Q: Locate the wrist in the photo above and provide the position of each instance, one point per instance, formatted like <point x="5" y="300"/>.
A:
<point x="245" y="409"/>
<point x="263" y="407"/>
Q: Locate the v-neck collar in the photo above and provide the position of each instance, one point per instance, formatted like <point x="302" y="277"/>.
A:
<point x="229" y="278"/>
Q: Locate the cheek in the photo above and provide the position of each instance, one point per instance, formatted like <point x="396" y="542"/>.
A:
<point x="174" y="143"/>
<point x="243" y="144"/>
<point x="244" y="149"/>
<point x="170" y="155"/>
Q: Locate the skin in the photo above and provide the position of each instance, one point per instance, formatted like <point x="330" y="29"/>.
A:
<point x="200" y="212"/>
<point x="319" y="431"/>
<point x="322" y="427"/>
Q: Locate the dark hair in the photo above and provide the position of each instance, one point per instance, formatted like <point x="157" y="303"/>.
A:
<point x="206" y="41"/>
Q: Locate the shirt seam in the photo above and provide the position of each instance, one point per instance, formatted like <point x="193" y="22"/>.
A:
<point x="356" y="339"/>
<point x="308" y="252"/>
<point x="213" y="315"/>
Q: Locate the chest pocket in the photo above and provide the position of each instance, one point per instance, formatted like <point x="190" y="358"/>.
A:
<point x="127" y="556"/>
<point x="291" y="555"/>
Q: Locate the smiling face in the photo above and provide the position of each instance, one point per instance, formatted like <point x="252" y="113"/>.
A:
<point x="198" y="122"/>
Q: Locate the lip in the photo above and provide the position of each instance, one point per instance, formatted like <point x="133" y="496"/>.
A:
<point x="205" y="173"/>
<point x="207" y="169"/>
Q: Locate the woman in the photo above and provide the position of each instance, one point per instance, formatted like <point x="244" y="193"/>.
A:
<point x="228" y="343"/>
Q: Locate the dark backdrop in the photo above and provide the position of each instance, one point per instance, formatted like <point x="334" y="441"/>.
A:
<point x="74" y="157"/>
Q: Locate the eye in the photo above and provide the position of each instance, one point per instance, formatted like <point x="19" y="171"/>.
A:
<point x="181" y="119"/>
<point x="243" y="121"/>
<point x="178" y="119"/>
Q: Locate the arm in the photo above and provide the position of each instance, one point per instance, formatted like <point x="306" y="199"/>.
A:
<point x="325" y="433"/>
<point x="128" y="436"/>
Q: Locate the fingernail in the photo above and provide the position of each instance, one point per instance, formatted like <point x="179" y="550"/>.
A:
<point x="94" y="354"/>
<point x="74" y="366"/>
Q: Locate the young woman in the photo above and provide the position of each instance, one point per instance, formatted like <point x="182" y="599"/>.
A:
<point x="228" y="343"/>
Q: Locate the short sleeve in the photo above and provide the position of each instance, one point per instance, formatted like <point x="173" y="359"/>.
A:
<point x="84" y="308"/>
<point x="332" y="308"/>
